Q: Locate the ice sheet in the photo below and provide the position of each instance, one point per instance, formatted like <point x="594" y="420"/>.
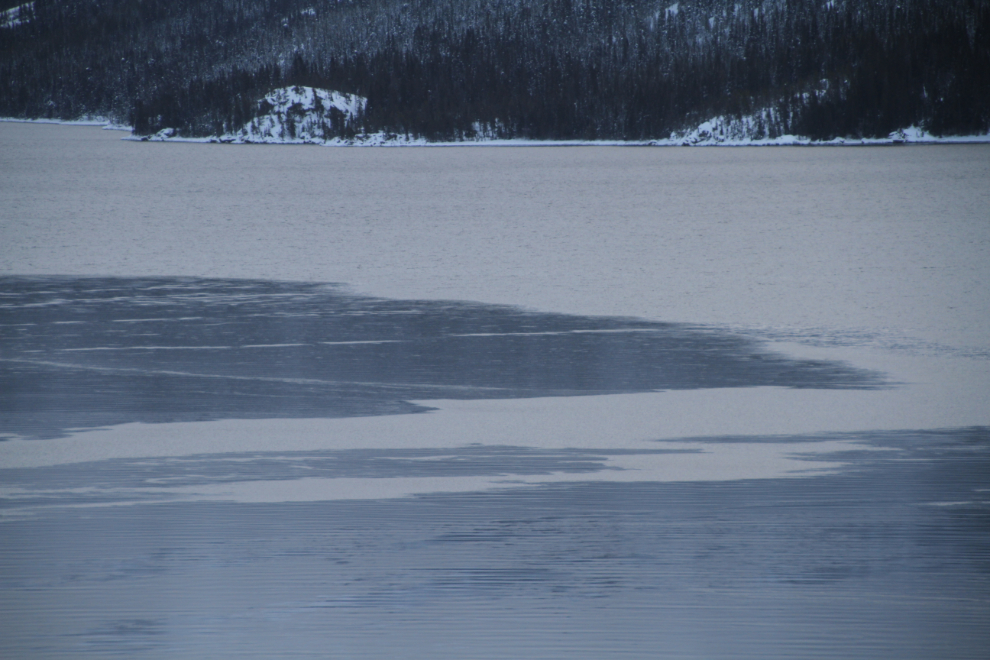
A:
<point x="884" y="240"/>
<point x="748" y="522"/>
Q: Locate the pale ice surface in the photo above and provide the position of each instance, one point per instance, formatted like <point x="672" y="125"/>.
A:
<point x="880" y="257"/>
<point x="756" y="522"/>
<point x="890" y="243"/>
<point x="696" y="461"/>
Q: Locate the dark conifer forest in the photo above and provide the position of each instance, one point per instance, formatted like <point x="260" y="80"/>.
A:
<point x="542" y="69"/>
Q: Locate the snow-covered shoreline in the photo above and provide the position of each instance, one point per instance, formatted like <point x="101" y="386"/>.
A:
<point x="911" y="135"/>
<point x="101" y="122"/>
<point x="15" y="16"/>
<point x="380" y="141"/>
<point x="696" y="138"/>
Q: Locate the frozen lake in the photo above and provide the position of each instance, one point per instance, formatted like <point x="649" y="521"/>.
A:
<point x="263" y="402"/>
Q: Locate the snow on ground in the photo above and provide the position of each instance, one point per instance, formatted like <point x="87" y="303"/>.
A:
<point x="102" y="122"/>
<point x="308" y="115"/>
<point x="750" y="130"/>
<point x="300" y="115"/>
<point x="292" y="115"/>
<point x="16" y="15"/>
<point x="716" y="132"/>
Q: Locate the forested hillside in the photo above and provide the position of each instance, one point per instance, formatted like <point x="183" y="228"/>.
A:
<point x="545" y="69"/>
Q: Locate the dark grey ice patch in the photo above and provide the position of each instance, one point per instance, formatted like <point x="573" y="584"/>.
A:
<point x="885" y="340"/>
<point x="118" y="638"/>
<point x="88" y="352"/>
<point x="129" y="627"/>
<point x="118" y="481"/>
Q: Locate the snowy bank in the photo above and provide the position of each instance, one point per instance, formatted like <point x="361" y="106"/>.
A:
<point x="310" y="115"/>
<point x="301" y="115"/>
<point x="20" y="15"/>
<point x="292" y="115"/>
<point x="750" y="130"/>
<point x="102" y="122"/>
<point x="306" y="115"/>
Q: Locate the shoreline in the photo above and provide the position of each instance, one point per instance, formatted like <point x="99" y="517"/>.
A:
<point x="907" y="136"/>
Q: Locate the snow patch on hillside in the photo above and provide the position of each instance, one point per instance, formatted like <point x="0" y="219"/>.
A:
<point x="16" y="15"/>
<point x="752" y="130"/>
<point x="292" y="115"/>
<point x="301" y="115"/>
<point x="748" y="129"/>
<point x="86" y="120"/>
<point x="309" y="115"/>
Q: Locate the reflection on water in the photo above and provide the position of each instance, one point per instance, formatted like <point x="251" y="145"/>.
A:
<point x="91" y="352"/>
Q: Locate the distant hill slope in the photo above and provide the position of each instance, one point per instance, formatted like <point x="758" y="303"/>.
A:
<point x="539" y="69"/>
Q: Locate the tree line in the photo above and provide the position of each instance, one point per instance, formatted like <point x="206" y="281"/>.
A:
<point x="543" y="69"/>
